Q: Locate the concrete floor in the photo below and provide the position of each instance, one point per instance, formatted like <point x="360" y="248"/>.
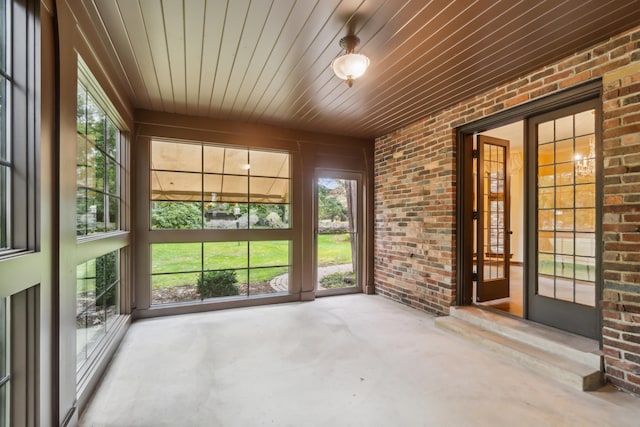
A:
<point x="351" y="360"/>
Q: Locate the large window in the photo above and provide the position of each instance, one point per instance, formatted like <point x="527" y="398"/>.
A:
<point x="231" y="192"/>
<point x="98" y="167"/>
<point x="5" y="118"/>
<point x="97" y="302"/>
<point x="183" y="272"/>
<point x="101" y="162"/>
<point x="19" y="115"/>
<point x="197" y="186"/>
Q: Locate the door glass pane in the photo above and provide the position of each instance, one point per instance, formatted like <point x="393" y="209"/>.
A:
<point x="566" y="217"/>
<point x="337" y="240"/>
<point x="494" y="211"/>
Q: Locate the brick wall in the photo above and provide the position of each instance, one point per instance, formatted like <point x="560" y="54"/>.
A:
<point x="415" y="195"/>
<point x="621" y="222"/>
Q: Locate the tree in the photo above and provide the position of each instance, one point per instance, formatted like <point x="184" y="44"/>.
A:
<point x="329" y="207"/>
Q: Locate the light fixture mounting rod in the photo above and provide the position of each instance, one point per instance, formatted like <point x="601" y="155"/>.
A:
<point x="349" y="43"/>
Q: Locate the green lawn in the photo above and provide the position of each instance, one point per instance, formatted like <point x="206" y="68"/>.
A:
<point x="187" y="258"/>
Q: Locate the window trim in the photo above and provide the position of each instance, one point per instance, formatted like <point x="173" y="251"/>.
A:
<point x="24" y="124"/>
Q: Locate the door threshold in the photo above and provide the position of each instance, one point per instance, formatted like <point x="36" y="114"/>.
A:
<point x="508" y="324"/>
<point x="571" y="359"/>
<point x="497" y="310"/>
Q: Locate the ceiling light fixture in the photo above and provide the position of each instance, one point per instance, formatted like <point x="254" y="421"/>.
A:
<point x="349" y="66"/>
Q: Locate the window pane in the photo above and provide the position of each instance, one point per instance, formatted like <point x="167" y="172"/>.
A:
<point x="546" y="198"/>
<point x="564" y="128"/>
<point x="564" y="266"/>
<point x="81" y="162"/>
<point x="98" y="138"/>
<point x="85" y="298"/>
<point x="81" y="111"/>
<point x="236" y="161"/>
<point x="221" y="283"/>
<point x="564" y="197"/>
<point x="172" y="288"/>
<point x="564" y="151"/>
<point x="95" y="123"/>
<point x="112" y="177"/>
<point x="585" y="123"/>
<point x="4" y="207"/>
<point x="113" y="140"/>
<point x="4" y="36"/>
<point x="92" y="177"/>
<point x="98" y="161"/>
<point x="5" y="187"/>
<point x="546" y="219"/>
<point x="227" y="216"/>
<point x="271" y="164"/>
<point x="176" y="257"/>
<point x="213" y="188"/>
<point x="546" y="242"/>
<point x="97" y="206"/>
<point x="269" y="253"/>
<point x="182" y="186"/>
<point x="214" y="159"/>
<point x="176" y="215"/>
<point x="82" y="214"/>
<point x="226" y="186"/>
<point x="174" y="156"/>
<point x="545" y="132"/>
<point x="4" y="120"/>
<point x="97" y="296"/>
<point x="564" y="173"/>
<point x="95" y="317"/>
<point x="564" y="219"/>
<point x="585" y="196"/>
<point x="270" y="216"/>
<point x="586" y="244"/>
<point x="113" y="221"/>
<point x="586" y="219"/>
<point x="225" y="255"/>
<point x="564" y="243"/>
<point x="234" y="189"/>
<point x="545" y="154"/>
<point x="267" y="280"/>
<point x="4" y="338"/>
<point x="585" y="269"/>
<point x="545" y="176"/>
<point x="269" y="190"/>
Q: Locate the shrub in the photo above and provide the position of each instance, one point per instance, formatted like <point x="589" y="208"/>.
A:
<point x="217" y="284"/>
<point x="338" y="280"/>
<point x="176" y="215"/>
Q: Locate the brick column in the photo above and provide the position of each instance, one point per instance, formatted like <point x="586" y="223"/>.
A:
<point x="621" y="225"/>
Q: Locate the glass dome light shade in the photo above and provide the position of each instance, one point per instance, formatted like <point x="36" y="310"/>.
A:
<point x="350" y="66"/>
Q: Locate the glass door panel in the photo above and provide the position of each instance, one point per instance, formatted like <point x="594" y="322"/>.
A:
<point x="493" y="219"/>
<point x="563" y="195"/>
<point x="566" y="203"/>
<point x="337" y="233"/>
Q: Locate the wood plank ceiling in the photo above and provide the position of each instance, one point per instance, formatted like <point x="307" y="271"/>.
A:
<point x="268" y="61"/>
